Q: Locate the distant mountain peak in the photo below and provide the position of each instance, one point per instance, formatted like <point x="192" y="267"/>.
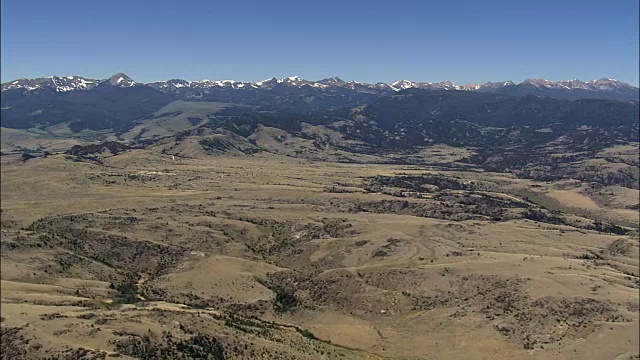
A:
<point x="498" y="83"/>
<point x="121" y="80"/>
<point x="402" y="84"/>
<point x="331" y="80"/>
<point x="267" y="82"/>
<point x="536" y="81"/>
<point x="293" y="80"/>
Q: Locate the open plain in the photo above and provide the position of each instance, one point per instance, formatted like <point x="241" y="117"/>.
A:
<point x="154" y="256"/>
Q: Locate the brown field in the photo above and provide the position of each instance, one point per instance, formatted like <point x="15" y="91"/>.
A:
<point x="274" y="257"/>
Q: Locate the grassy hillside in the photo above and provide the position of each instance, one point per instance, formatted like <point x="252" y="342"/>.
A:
<point x="268" y="257"/>
<point x="173" y="118"/>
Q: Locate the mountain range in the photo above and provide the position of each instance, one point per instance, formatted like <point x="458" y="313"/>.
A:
<point x="568" y="89"/>
<point x="533" y="129"/>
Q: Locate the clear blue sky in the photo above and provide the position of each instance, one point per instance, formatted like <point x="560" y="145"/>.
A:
<point x="462" y="41"/>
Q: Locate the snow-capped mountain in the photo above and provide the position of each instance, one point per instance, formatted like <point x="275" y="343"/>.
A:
<point x="178" y="85"/>
<point x="403" y="84"/>
<point x="332" y="81"/>
<point x="605" y="84"/>
<point x="120" y="80"/>
<point x="170" y="85"/>
<point x="601" y="84"/>
<point x="66" y="83"/>
<point x="567" y="89"/>
<point x="571" y="89"/>
<point x="55" y="83"/>
<point x="496" y="85"/>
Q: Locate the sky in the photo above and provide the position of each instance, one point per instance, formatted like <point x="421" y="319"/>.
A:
<point x="464" y="41"/>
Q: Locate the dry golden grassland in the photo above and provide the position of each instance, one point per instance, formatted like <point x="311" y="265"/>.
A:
<point x="273" y="257"/>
